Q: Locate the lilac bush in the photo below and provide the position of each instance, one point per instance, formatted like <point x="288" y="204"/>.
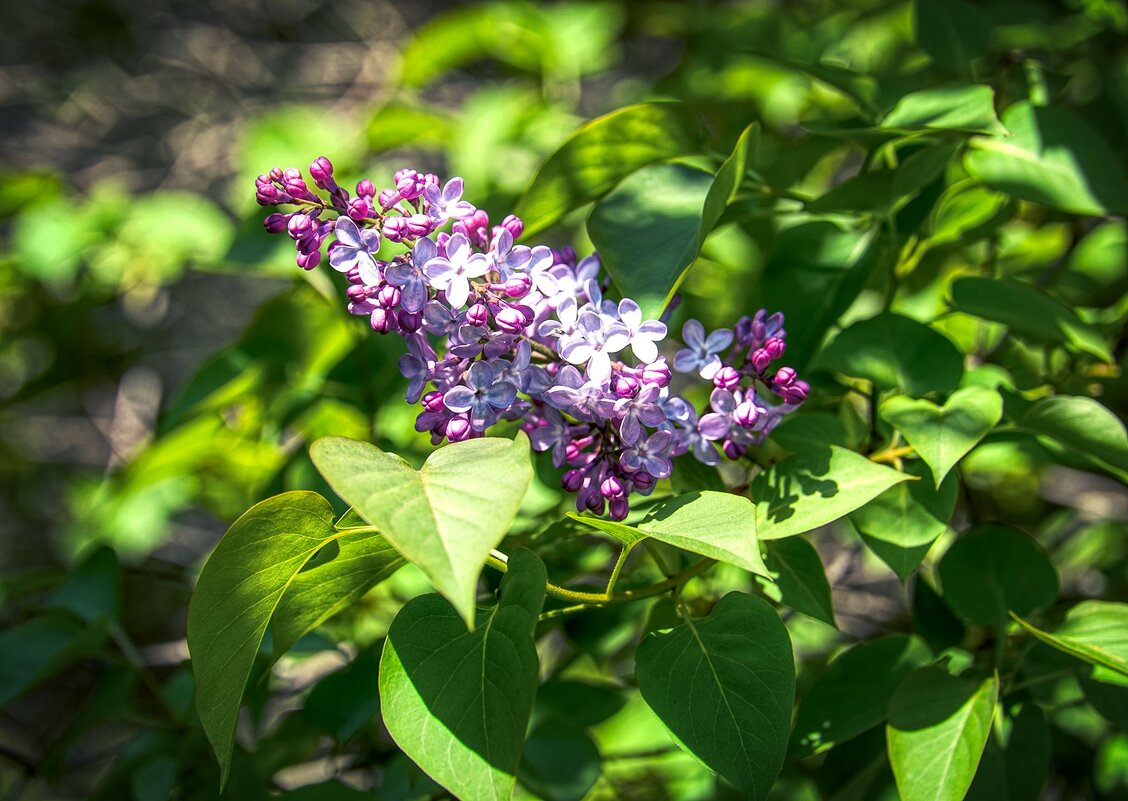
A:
<point x="502" y="331"/>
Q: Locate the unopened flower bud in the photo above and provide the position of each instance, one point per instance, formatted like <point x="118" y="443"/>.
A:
<point x="307" y="261"/>
<point x="518" y="286"/>
<point x="383" y="320"/>
<point x="477" y="315"/>
<point x="746" y="413"/>
<point x="642" y="480"/>
<point x="742" y="331"/>
<point x="356" y="292"/>
<point x="618" y="509"/>
<point x="510" y="320"/>
<point x="388" y="296"/>
<point x="785" y="377"/>
<point x="727" y="378"/>
<point x="276" y="174"/>
<point x="513" y="225"/>
<point x="358" y="208"/>
<point x="733" y="450"/>
<point x="433" y="401"/>
<point x="388" y="198"/>
<point x="572" y="480"/>
<point x="458" y="429"/>
<point x="656" y="373"/>
<point x="623" y="385"/>
<point x="299" y="226"/>
<point x="275" y="223"/>
<point x="409" y="322"/>
<point x="419" y="225"/>
<point x="611" y="487"/>
<point x="775" y="347"/>
<point x="365" y="189"/>
<point x="321" y="171"/>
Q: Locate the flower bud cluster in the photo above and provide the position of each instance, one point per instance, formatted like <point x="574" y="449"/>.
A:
<point x="496" y="331"/>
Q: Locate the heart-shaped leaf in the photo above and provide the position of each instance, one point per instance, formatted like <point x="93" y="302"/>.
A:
<point x="938" y="727"/>
<point x="724" y="686"/>
<point x="943" y="435"/>
<point x="816" y="487"/>
<point x="458" y="702"/>
<point x="719" y="525"/>
<point x="444" y="518"/>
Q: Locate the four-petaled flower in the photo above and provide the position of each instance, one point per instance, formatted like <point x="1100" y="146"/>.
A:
<point x="554" y="435"/>
<point x="700" y="354"/>
<point x="593" y="342"/>
<point x="408" y="275"/>
<point x="644" y="334"/>
<point x="445" y="204"/>
<point x="356" y="247"/>
<point x="452" y="273"/>
<point x="649" y="455"/>
<point x="483" y="396"/>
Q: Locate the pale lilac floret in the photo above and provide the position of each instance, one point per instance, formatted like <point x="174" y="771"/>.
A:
<point x="409" y="277"/>
<point x="357" y="248"/>
<point x="634" y="413"/>
<point x="554" y="435"/>
<point x="451" y="274"/>
<point x="483" y="396"/>
<point x="592" y="344"/>
<point x="650" y="455"/>
<point x="446" y="204"/>
<point x="507" y="258"/>
<point x="645" y="334"/>
<point x="417" y="366"/>
<point x="700" y="353"/>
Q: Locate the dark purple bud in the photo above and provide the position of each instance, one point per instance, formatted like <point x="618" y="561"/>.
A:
<point x="458" y="429"/>
<point x="409" y="184"/>
<point x="761" y="358"/>
<point x="727" y="378"/>
<point x="656" y="373"/>
<point x="388" y="296"/>
<point x="299" y="226"/>
<point x="518" y="286"/>
<point x="366" y="189"/>
<point x="785" y="377"/>
<point x="742" y="331"/>
<point x="356" y="292"/>
<point x="395" y="229"/>
<point x="733" y="450"/>
<point x="358" y="208"/>
<point x="746" y="413"/>
<point x="275" y="223"/>
<point x="321" y="171"/>
<point x="618" y="509"/>
<point x="611" y="487"/>
<point x="775" y="346"/>
<point x="623" y="385"/>
<point x="572" y="480"/>
<point x="510" y="320"/>
<point x="409" y="322"/>
<point x="794" y="394"/>
<point x="433" y="401"/>
<point x="643" y="480"/>
<point x="595" y="503"/>
<point x="526" y="312"/>
<point x="477" y="315"/>
<point x="383" y="320"/>
<point x="307" y="261"/>
<point x="353" y="274"/>
<point x="513" y="225"/>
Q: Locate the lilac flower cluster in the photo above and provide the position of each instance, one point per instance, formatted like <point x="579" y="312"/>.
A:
<point x="500" y="331"/>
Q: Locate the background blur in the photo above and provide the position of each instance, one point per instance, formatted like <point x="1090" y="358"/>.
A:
<point x="163" y="363"/>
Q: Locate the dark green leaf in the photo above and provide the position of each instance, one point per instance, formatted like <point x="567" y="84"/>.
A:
<point x="799" y="577"/>
<point x="943" y="435"/>
<point x="901" y="524"/>
<point x="602" y="153"/>
<point x="933" y="619"/>
<point x="93" y="590"/>
<point x="994" y="569"/>
<point x="345" y="701"/>
<point x="647" y="232"/>
<point x="816" y="487"/>
<point x="852" y="695"/>
<point x="35" y="649"/>
<point x="446" y="518"/>
<point x="1028" y="313"/>
<point x="456" y="701"/>
<point x="896" y="352"/>
<point x="560" y="762"/>
<point x="953" y="32"/>
<point x="727" y="180"/>
<point x="1083" y="425"/>
<point x="1055" y="158"/>
<point x="938" y="727"/>
<point x="238" y="590"/>
<point x="1017" y="759"/>
<point x="724" y="686"/>
<point x="334" y="579"/>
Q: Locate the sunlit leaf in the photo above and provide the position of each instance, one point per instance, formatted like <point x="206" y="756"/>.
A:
<point x="1095" y="631"/>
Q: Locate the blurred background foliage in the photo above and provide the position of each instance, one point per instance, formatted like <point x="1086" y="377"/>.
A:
<point x="163" y="364"/>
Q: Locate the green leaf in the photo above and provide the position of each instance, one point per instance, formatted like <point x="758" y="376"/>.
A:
<point x="347" y="700"/>
<point x="969" y="109"/>
<point x="37" y="648"/>
<point x="1028" y="313"/>
<point x="560" y="761"/>
<point x="814" y="272"/>
<point x="603" y="152"/>
<point x="1054" y="158"/>
<point x="647" y="232"/>
<point x="896" y="352"/>
<point x="724" y="687"/>
<point x="938" y="727"/>
<point x="1017" y="759"/>
<point x="446" y="518"/>
<point x="953" y="32"/>
<point x="994" y="569"/>
<point x="1083" y="425"/>
<point x="238" y="590"/>
<point x="718" y="525"/>
<point x="726" y="182"/>
<point x="852" y="694"/>
<point x="1094" y="631"/>
<point x="816" y="487"/>
<point x="93" y="590"/>
<point x="456" y="701"/>
<point x="965" y="211"/>
<point x="336" y="578"/>
<point x="799" y="577"/>
<point x="900" y="524"/>
<point x="943" y="435"/>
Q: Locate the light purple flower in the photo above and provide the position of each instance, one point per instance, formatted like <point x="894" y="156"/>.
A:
<point x="446" y="204"/>
<point x="483" y="396"/>
<point x="441" y="320"/>
<point x="650" y="455"/>
<point x="574" y="395"/>
<point x="356" y="247"/>
<point x="505" y="257"/>
<point x="417" y="366"/>
<point x="555" y="435"/>
<point x="644" y="334"/>
<point x="634" y="413"/>
<point x="408" y="276"/>
<point x="452" y="274"/>
<point x="526" y="377"/>
<point x="700" y="354"/>
<point x="592" y="343"/>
